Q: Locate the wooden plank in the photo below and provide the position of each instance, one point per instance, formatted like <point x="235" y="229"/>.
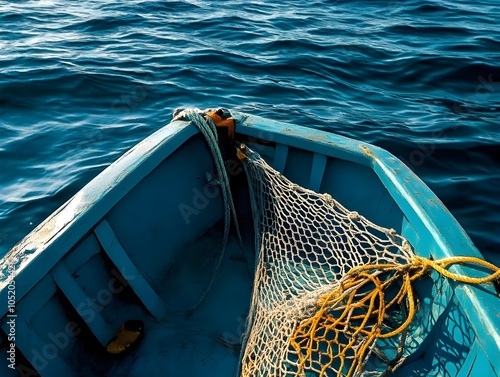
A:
<point x="37" y="298"/>
<point x="111" y="245"/>
<point x="43" y="356"/>
<point x="280" y="157"/>
<point x="317" y="171"/>
<point x="468" y="364"/>
<point x="59" y="233"/>
<point x="482" y="365"/>
<point x="77" y="297"/>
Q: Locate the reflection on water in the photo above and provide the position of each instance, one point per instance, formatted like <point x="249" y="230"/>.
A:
<point x="82" y="83"/>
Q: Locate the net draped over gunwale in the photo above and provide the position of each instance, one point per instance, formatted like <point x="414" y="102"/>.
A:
<point x="331" y="288"/>
<point x="306" y="242"/>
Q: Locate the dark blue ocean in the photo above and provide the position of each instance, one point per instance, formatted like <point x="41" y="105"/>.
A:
<point x="82" y="82"/>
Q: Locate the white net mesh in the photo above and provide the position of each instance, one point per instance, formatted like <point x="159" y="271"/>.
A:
<point x="306" y="243"/>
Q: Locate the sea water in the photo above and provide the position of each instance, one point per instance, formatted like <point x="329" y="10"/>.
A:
<point x="82" y="82"/>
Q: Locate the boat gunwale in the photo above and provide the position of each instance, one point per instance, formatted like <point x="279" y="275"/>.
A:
<point x="423" y="209"/>
<point x="46" y="245"/>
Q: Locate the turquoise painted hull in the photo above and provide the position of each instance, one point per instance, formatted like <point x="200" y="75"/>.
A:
<point x="140" y="241"/>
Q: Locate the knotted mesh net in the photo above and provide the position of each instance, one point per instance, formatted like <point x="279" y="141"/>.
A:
<point x="333" y="292"/>
<point x="310" y="314"/>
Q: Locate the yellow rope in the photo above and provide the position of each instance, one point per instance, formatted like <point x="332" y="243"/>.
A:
<point x="351" y="317"/>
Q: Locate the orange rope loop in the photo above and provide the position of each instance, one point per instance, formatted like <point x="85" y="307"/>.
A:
<point x="350" y="318"/>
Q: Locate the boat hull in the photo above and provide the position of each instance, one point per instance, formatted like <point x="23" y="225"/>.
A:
<point x="140" y="242"/>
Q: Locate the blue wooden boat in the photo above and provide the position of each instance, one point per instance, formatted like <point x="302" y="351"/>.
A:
<point x="130" y="256"/>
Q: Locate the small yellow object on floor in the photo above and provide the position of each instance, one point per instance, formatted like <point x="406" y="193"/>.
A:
<point x="127" y="336"/>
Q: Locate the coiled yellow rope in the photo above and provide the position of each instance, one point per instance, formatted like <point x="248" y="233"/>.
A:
<point x="351" y="317"/>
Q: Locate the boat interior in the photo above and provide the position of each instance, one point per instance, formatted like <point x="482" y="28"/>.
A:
<point x="141" y="242"/>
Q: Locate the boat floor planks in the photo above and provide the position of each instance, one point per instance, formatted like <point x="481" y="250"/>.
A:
<point x="209" y="338"/>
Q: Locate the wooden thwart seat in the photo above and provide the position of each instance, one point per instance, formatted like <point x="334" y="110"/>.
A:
<point x="113" y="248"/>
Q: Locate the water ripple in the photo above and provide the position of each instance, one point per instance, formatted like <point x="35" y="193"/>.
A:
<point x="82" y="82"/>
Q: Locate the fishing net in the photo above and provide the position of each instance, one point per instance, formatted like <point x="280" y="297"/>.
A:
<point x="303" y="316"/>
<point x="333" y="292"/>
<point x="330" y="286"/>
